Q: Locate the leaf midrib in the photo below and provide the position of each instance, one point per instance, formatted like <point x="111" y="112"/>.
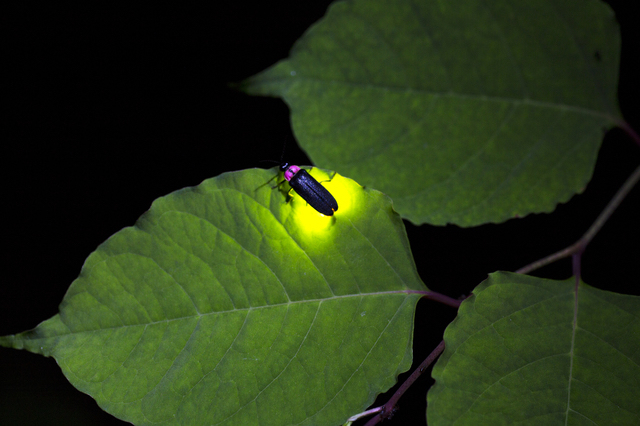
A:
<point x="251" y="308"/>
<point x="574" y="327"/>
<point x="399" y="89"/>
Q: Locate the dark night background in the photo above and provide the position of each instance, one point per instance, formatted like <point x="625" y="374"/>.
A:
<point x="104" y="111"/>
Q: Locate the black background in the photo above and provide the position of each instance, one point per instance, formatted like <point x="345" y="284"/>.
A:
<point x="104" y="111"/>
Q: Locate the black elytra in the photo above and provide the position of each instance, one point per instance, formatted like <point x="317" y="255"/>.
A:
<point x="310" y="189"/>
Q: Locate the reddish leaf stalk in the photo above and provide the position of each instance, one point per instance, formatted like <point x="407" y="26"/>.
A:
<point x="632" y="133"/>
<point x="387" y="409"/>
<point x="579" y="246"/>
<point x="432" y="295"/>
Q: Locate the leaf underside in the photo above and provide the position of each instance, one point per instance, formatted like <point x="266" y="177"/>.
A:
<point x="226" y="304"/>
<point x="455" y="110"/>
<point x="524" y="350"/>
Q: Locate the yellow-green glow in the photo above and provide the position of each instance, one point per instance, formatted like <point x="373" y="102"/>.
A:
<point x="308" y="219"/>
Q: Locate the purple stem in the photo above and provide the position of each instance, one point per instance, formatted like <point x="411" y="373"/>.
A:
<point x="432" y="295"/>
<point x="579" y="246"/>
<point x="388" y="408"/>
<point x="632" y="133"/>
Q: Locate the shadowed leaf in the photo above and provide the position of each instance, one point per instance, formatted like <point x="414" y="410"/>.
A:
<point x="463" y="112"/>
<point x="524" y="350"/>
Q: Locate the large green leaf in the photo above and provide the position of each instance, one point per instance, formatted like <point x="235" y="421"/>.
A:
<point x="226" y="305"/>
<point x="525" y="350"/>
<point x="463" y="112"/>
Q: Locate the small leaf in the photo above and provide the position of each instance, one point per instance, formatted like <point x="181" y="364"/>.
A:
<point x="466" y="112"/>
<point x="524" y="350"/>
<point x="225" y="304"/>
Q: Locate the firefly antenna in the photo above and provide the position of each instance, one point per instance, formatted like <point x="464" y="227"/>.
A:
<point x="284" y="147"/>
<point x="281" y="162"/>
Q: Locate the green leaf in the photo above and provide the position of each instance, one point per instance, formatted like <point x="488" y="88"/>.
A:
<point x="525" y="350"/>
<point x="455" y="109"/>
<point x="227" y="305"/>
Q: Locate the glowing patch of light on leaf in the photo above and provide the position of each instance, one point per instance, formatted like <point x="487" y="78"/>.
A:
<point x="308" y="219"/>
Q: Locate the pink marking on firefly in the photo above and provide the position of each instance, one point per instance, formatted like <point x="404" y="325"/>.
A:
<point x="292" y="170"/>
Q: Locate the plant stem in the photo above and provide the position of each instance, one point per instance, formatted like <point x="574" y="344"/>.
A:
<point x="386" y="411"/>
<point x="632" y="133"/>
<point x="433" y="295"/>
<point x="446" y="300"/>
<point x="579" y="246"/>
<point x="364" y="414"/>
